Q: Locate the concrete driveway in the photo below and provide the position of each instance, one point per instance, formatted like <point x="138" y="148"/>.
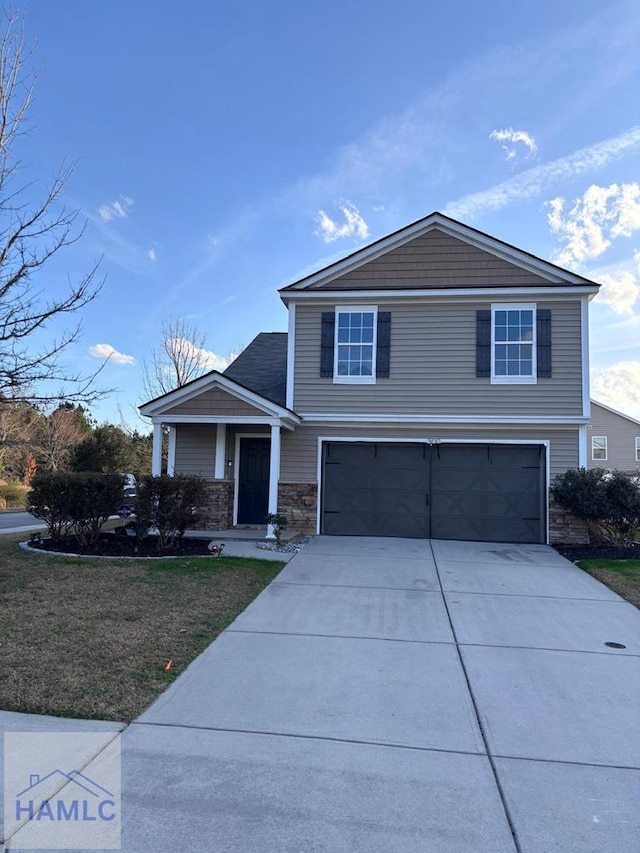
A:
<point x="401" y="695"/>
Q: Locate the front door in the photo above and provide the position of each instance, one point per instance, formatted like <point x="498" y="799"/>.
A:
<point x="253" y="480"/>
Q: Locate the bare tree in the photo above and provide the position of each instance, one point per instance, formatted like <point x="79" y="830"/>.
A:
<point x="31" y="233"/>
<point x="180" y="357"/>
<point x="17" y="425"/>
<point x="55" y="437"/>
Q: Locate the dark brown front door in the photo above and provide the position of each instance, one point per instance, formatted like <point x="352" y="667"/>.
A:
<point x="253" y="480"/>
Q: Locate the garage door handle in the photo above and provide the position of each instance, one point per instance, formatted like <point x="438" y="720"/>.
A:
<point x="426" y="499"/>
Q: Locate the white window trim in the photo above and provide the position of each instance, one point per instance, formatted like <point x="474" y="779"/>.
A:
<point x="595" y="458"/>
<point x="514" y="380"/>
<point x="638" y="448"/>
<point x="356" y="380"/>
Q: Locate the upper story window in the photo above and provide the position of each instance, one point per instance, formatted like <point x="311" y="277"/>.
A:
<point x="599" y="447"/>
<point x="513" y="343"/>
<point x="638" y="448"/>
<point x="355" y="344"/>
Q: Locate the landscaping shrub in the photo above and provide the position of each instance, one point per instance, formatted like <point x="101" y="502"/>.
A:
<point x="77" y="503"/>
<point x="49" y="500"/>
<point x="279" y="523"/>
<point x="14" y="494"/>
<point x="169" y="504"/>
<point x="608" y="501"/>
<point x="93" y="499"/>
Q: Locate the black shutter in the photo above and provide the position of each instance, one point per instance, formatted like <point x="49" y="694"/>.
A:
<point x="383" y="354"/>
<point x="326" y="343"/>
<point x="483" y="343"/>
<point x="543" y="323"/>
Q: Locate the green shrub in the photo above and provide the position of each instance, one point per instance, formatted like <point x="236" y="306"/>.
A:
<point x="94" y="498"/>
<point x="15" y="494"/>
<point x="75" y="503"/>
<point x="169" y="504"/>
<point x="608" y="501"/>
<point x="279" y="523"/>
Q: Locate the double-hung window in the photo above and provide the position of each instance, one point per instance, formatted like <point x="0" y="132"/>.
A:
<point x="599" y="447"/>
<point x="355" y="344"/>
<point x="638" y="448"/>
<point x="513" y="343"/>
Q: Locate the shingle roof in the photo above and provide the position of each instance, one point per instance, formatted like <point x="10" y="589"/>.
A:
<point x="262" y="367"/>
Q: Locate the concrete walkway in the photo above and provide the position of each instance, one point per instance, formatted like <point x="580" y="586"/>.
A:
<point x="400" y="695"/>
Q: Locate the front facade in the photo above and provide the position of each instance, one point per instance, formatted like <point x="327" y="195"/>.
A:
<point x="429" y="385"/>
<point x="614" y="440"/>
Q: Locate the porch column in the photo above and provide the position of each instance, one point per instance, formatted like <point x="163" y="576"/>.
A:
<point x="171" y="452"/>
<point x="221" y="443"/>
<point x="156" y="455"/>
<point x="274" y="476"/>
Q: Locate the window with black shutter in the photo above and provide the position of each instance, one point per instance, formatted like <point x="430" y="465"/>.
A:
<point x="513" y="343"/>
<point x="355" y="344"/>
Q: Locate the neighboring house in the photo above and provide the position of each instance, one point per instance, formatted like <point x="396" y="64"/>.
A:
<point x="430" y="385"/>
<point x="614" y="440"/>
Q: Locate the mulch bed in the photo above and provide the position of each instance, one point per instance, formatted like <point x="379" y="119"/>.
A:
<point x="112" y="545"/>
<point x="599" y="552"/>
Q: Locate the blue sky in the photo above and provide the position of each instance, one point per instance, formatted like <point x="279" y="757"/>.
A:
<point x="224" y="150"/>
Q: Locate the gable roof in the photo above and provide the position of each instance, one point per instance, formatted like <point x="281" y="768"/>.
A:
<point x="262" y="367"/>
<point x="544" y="270"/>
<point x="615" y="412"/>
<point x="161" y="406"/>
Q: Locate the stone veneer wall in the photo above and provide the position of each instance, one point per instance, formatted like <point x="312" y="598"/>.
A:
<point x="218" y="515"/>
<point x="299" y="502"/>
<point x="565" y="528"/>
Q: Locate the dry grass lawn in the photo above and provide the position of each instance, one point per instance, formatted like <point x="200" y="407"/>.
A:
<point x="91" y="638"/>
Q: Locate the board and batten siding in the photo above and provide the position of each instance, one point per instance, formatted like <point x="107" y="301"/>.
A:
<point x="621" y="434"/>
<point x="300" y="448"/>
<point x="436" y="259"/>
<point x="433" y="365"/>
<point x="214" y="402"/>
<point x="196" y="449"/>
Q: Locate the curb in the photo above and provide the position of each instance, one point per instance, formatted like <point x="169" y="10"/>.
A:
<point x="26" y="547"/>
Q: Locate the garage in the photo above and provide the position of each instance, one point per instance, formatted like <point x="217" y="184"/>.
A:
<point x="485" y="492"/>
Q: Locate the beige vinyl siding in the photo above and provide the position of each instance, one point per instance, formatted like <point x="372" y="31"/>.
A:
<point x="433" y="365"/>
<point x="621" y="436"/>
<point x="436" y="260"/>
<point x="214" y="402"/>
<point x="299" y="462"/>
<point x="196" y="449"/>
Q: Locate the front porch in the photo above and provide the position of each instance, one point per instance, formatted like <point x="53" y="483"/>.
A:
<point x="230" y="436"/>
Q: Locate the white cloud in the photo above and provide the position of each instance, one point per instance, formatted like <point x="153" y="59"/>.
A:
<point x="107" y="351"/>
<point x="151" y="254"/>
<point x="588" y="228"/>
<point x="116" y="209"/>
<point x="511" y="138"/>
<point x="533" y="182"/>
<point x="620" y="291"/>
<point x="618" y="386"/>
<point x="353" y="226"/>
<point x="203" y="357"/>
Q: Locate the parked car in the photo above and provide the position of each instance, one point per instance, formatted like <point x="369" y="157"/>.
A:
<point x="130" y="488"/>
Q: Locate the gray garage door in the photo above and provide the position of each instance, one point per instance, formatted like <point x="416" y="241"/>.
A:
<point x="482" y="492"/>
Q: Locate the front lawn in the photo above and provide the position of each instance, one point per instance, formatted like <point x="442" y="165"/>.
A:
<point x="622" y="576"/>
<point x="91" y="638"/>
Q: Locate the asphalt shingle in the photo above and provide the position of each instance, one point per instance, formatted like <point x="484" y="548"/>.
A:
<point x="262" y="367"/>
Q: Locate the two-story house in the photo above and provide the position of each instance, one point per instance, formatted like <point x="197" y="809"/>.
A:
<point x="430" y="385"/>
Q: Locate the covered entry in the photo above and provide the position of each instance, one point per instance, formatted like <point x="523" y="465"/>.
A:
<point x="484" y="492"/>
